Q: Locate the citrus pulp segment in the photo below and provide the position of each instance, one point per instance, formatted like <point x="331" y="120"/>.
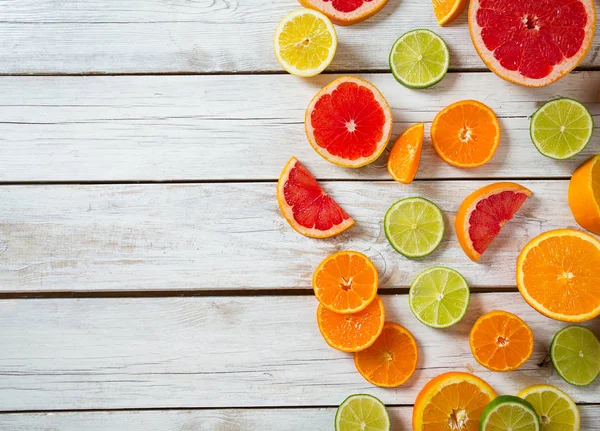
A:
<point x="346" y="12"/>
<point x="419" y="59"/>
<point x="346" y="282"/>
<point x="508" y="413"/>
<point x="530" y="42"/>
<point x="575" y="354"/>
<point x="391" y="360"/>
<point x="352" y="332"/>
<point x="584" y="194"/>
<point x="484" y="212"/>
<point x="557" y="411"/>
<point x="558" y="273"/>
<point x="414" y="227"/>
<point x="404" y="158"/>
<point x="348" y="122"/>
<point x="306" y="207"/>
<point x="447" y="11"/>
<point x="362" y="412"/>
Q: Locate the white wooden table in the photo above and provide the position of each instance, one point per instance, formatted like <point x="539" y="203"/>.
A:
<point x="147" y="279"/>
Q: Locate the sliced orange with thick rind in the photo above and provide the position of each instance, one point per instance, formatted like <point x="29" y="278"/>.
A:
<point x="584" y="194"/>
<point x="404" y="158"/>
<point x="447" y="11"/>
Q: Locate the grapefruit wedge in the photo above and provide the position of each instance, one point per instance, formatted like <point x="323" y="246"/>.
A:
<point x="306" y="207"/>
<point x="531" y="42"/>
<point x="346" y="12"/>
<point x="483" y="213"/>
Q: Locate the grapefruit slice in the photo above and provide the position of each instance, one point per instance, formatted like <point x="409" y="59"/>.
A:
<point x="306" y="207"/>
<point x="532" y="42"/>
<point x="349" y="122"/>
<point x="483" y="213"/>
<point x="346" y="12"/>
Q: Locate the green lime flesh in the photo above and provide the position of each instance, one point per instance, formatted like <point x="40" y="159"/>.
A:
<point x="419" y="59"/>
<point x="557" y="411"/>
<point x="508" y="413"/>
<point x="575" y="354"/>
<point x="414" y="227"/>
<point x="561" y="128"/>
<point x="362" y="412"/>
<point x="439" y="297"/>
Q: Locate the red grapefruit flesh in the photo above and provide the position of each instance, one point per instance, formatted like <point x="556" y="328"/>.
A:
<point x="349" y="122"/>
<point x="306" y="207"/>
<point x="346" y="12"/>
<point x="532" y="42"/>
<point x="483" y="213"/>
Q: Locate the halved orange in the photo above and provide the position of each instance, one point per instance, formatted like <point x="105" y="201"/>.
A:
<point x="391" y="360"/>
<point x="352" y="332"/>
<point x="584" y="194"/>
<point x="558" y="274"/>
<point x="346" y="282"/>
<point x="403" y="161"/>
<point x="451" y="401"/>
<point x="447" y="11"/>
<point x="466" y="134"/>
<point x="501" y="341"/>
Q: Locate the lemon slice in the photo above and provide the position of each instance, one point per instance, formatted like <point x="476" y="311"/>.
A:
<point x="305" y="42"/>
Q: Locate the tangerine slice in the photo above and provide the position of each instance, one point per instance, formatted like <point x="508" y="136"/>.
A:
<point x="447" y="11"/>
<point x="404" y="158"/>
<point x="584" y="194"/>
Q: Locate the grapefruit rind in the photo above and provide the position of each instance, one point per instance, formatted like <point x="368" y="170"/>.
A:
<point x="366" y="11"/>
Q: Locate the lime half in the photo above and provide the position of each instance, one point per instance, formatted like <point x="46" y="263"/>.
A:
<point x="419" y="59"/>
<point x="507" y="413"/>
<point x="575" y="354"/>
<point x="439" y="297"/>
<point x="362" y="413"/>
<point x="414" y="227"/>
<point x="557" y="411"/>
<point x="561" y="128"/>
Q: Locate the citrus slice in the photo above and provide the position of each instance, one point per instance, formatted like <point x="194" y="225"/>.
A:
<point x="451" y="401"/>
<point x="305" y="42"/>
<point x="362" y="413"/>
<point x="558" y="273"/>
<point x="447" y="11"/>
<point x="575" y="354"/>
<point x="557" y="411"/>
<point x="306" y="207"/>
<point x="529" y="42"/>
<point x="501" y="341"/>
<point x="352" y="332"/>
<point x="508" y="413"/>
<point x="346" y="12"/>
<point x="483" y="213"/>
<point x="346" y="282"/>
<point x="439" y="297"/>
<point x="419" y="59"/>
<point x="391" y="360"/>
<point x="404" y="158"/>
<point x="466" y="134"/>
<point x="349" y="122"/>
<point x="561" y="128"/>
<point x="584" y="195"/>
<point x="414" y="227"/>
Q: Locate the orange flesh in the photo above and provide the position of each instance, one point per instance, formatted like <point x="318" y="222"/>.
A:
<point x="405" y="156"/>
<point x="584" y="195"/>
<point x="447" y="10"/>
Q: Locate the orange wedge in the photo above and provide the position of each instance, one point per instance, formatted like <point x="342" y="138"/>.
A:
<point x="405" y="156"/>
<point x="447" y="11"/>
<point x="584" y="195"/>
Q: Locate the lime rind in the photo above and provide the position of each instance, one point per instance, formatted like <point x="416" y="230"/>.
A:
<point x="575" y="354"/>
<point x="561" y="128"/>
<point x="414" y="227"/>
<point x="439" y="297"/>
<point x="419" y="59"/>
<point x="362" y="412"/>
<point x="553" y="406"/>
<point x="509" y="412"/>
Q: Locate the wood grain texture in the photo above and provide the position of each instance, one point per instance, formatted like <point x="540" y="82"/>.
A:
<point x="242" y="127"/>
<point x="226" y="352"/>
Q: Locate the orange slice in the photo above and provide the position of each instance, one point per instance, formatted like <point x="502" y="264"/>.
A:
<point x="405" y="156"/>
<point x="352" y="332"/>
<point x="346" y="282"/>
<point x="451" y="401"/>
<point x="466" y="134"/>
<point x="501" y="341"/>
<point x="447" y="11"/>
<point x="483" y="213"/>
<point x="558" y="274"/>
<point x="391" y="360"/>
<point x="584" y="194"/>
<point x="306" y="207"/>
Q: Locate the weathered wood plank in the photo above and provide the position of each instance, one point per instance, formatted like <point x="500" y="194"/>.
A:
<point x="240" y="127"/>
<point x="225" y="352"/>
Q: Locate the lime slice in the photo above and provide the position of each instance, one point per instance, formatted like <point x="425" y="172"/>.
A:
<point x="575" y="354"/>
<point x="509" y="413"/>
<point x="561" y="128"/>
<point x="414" y="227"/>
<point x="362" y="412"/>
<point x="439" y="297"/>
<point x="419" y="59"/>
<point x="557" y="411"/>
